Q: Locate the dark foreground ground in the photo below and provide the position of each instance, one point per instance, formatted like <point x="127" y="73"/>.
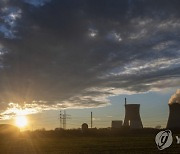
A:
<point x="32" y="143"/>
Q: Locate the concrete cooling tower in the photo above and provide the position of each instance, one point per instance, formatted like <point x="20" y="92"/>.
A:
<point x="174" y="116"/>
<point x="132" y="116"/>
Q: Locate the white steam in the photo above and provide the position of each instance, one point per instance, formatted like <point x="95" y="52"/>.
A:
<point x="175" y="98"/>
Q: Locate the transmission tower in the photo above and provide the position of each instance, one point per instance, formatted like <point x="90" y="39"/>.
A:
<point x="63" y="119"/>
<point x="60" y="119"/>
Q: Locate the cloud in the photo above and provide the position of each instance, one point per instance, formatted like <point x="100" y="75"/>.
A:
<point x="9" y="16"/>
<point x="113" y="36"/>
<point x="59" y="54"/>
<point x="36" y="3"/>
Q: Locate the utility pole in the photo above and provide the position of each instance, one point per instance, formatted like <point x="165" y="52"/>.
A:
<point x="91" y="119"/>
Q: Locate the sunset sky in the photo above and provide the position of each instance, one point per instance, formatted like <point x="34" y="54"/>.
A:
<point x="88" y="55"/>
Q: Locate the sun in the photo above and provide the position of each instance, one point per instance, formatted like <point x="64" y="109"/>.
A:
<point x="21" y="121"/>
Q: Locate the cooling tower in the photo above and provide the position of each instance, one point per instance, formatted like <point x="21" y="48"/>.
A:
<point x="132" y="116"/>
<point x="174" y="116"/>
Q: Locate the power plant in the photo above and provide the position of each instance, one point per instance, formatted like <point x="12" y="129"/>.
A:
<point x="133" y="120"/>
<point x="174" y="116"/>
<point x="132" y="116"/>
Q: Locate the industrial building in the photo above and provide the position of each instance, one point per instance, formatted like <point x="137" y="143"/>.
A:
<point x="116" y="124"/>
<point x="84" y="127"/>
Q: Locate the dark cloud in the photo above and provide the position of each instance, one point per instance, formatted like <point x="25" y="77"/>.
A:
<point x="36" y="3"/>
<point x="77" y="53"/>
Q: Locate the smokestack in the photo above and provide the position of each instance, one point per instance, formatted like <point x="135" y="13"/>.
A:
<point x="174" y="111"/>
<point x="132" y="116"/>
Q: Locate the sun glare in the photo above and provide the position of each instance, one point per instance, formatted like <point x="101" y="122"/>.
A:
<point x="21" y="121"/>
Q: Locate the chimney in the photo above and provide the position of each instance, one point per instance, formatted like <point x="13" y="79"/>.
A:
<point x="174" y="116"/>
<point x="132" y="116"/>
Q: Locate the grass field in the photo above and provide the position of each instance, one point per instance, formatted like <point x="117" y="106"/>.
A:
<point x="30" y="144"/>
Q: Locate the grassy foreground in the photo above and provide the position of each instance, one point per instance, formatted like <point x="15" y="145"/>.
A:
<point x="32" y="144"/>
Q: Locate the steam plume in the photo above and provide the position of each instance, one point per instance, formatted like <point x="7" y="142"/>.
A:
<point x="175" y="98"/>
